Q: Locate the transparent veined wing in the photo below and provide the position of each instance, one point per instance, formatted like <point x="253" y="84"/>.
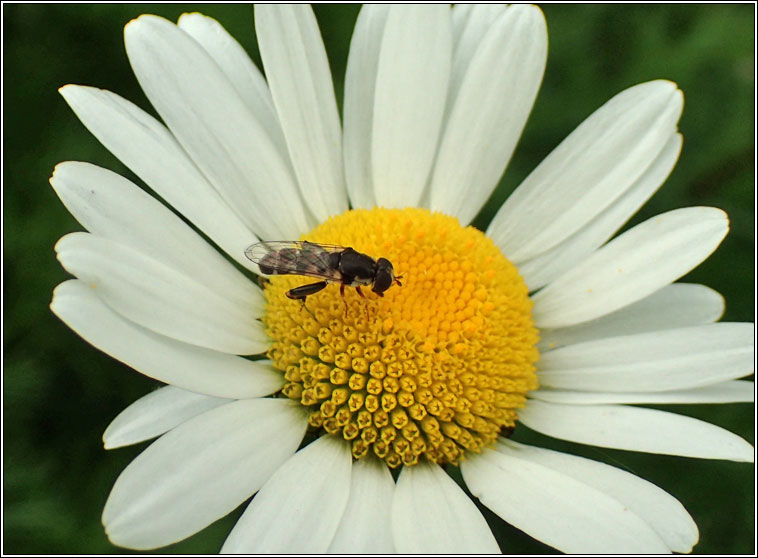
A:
<point x="293" y="257"/>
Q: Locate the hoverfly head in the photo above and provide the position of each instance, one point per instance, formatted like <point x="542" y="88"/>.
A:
<point x="385" y="276"/>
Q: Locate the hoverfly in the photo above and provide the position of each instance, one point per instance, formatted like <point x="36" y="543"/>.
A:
<point x="331" y="263"/>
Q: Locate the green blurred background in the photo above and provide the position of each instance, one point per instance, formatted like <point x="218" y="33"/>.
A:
<point x="60" y="393"/>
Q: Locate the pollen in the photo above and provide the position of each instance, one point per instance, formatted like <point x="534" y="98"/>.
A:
<point x="435" y="368"/>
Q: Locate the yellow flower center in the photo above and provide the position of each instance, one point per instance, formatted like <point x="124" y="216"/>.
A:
<point x="437" y="366"/>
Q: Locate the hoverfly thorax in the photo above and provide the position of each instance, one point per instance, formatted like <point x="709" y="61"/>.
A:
<point x="356" y="268"/>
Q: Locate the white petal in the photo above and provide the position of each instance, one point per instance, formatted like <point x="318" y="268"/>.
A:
<point x="360" y="90"/>
<point x="482" y="129"/>
<point x="173" y="362"/>
<point x="298" y="74"/>
<point x="677" y="305"/>
<point x="365" y="527"/>
<point x="655" y="361"/>
<point x="470" y="25"/>
<point x="160" y="298"/>
<point x="635" y="429"/>
<point x="215" y="127"/>
<point x="200" y="471"/>
<point x="595" y="165"/>
<point x="556" y="509"/>
<point x="156" y="413"/>
<point x="145" y="146"/>
<point x="461" y="15"/>
<point x="658" y="509"/>
<point x="471" y="22"/>
<point x="111" y="206"/>
<point x="411" y="87"/>
<point x="241" y="72"/>
<point x="432" y="515"/>
<point x="540" y="270"/>
<point x="299" y="508"/>
<point x="735" y="391"/>
<point x="632" y="266"/>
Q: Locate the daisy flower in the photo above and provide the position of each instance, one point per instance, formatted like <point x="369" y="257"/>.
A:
<point x="347" y="425"/>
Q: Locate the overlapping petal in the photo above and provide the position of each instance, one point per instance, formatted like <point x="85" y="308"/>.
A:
<point x="431" y="514"/>
<point x="200" y="471"/>
<point x="298" y="74"/>
<point x="555" y="508"/>
<point x="160" y="298"/>
<point x="635" y="429"/>
<point x="658" y="509"/>
<point x="156" y="413"/>
<point x="471" y="23"/>
<point x="673" y="306"/>
<point x="551" y="264"/>
<point x="734" y="391"/>
<point x="365" y="527"/>
<point x="631" y="266"/>
<point x="110" y="206"/>
<point x="187" y="366"/>
<point x="481" y="130"/>
<point x="590" y="169"/>
<point x="216" y="128"/>
<point x="413" y="72"/>
<point x="240" y="70"/>
<point x="299" y="509"/>
<point x="654" y="361"/>
<point x="145" y="146"/>
<point x="360" y="94"/>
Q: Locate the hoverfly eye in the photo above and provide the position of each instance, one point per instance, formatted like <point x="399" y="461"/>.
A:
<point x="385" y="276"/>
<point x="382" y="281"/>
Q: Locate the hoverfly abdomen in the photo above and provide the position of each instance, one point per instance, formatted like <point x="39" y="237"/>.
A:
<point x="266" y="269"/>
<point x="276" y="263"/>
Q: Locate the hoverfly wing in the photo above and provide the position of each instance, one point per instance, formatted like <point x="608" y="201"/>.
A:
<point x="261" y="250"/>
<point x="290" y="257"/>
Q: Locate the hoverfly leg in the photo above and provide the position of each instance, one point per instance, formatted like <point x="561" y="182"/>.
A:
<point x="304" y="307"/>
<point x="507" y="431"/>
<point x="342" y="294"/>
<point x="303" y="292"/>
<point x="365" y="306"/>
<point x="299" y="293"/>
<point x="263" y="282"/>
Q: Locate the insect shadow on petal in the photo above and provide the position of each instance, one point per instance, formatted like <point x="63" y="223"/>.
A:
<point x="328" y="262"/>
